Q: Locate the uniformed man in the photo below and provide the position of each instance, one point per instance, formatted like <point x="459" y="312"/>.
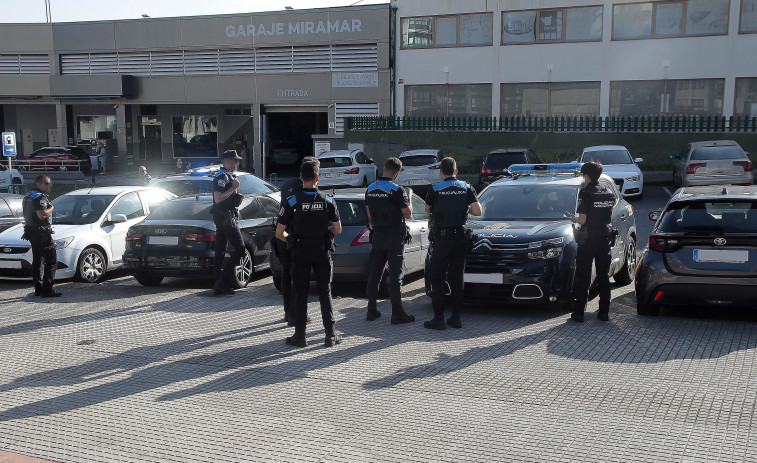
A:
<point x="38" y="230"/>
<point x="288" y="189"/>
<point x="388" y="205"/>
<point x="307" y="222"/>
<point x="594" y="210"/>
<point x="450" y="202"/>
<point x="144" y="177"/>
<point x="225" y="212"/>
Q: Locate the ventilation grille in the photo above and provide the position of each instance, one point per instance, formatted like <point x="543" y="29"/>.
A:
<point x="268" y="60"/>
<point x="28" y="65"/>
<point x="353" y="110"/>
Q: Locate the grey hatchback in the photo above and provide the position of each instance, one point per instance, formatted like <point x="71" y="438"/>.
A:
<point x="702" y="250"/>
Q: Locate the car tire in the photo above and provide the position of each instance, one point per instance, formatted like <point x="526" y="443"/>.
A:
<point x="145" y="279"/>
<point x="277" y="283"/>
<point x="625" y="275"/>
<point x="243" y="272"/>
<point x="648" y="310"/>
<point x="92" y="266"/>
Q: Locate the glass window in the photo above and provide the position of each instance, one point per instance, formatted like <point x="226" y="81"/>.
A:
<point x="711" y="153"/>
<point x="528" y="202"/>
<point x="195" y="136"/>
<point x="250" y="209"/>
<point x="153" y="199"/>
<point x="583" y="23"/>
<point x="574" y="99"/>
<point x="129" y="205"/>
<point x="525" y="100"/>
<point x="707" y="17"/>
<point x="340" y="161"/>
<point x="79" y="209"/>
<point x="608" y="157"/>
<point x="418" y="160"/>
<point x="701" y="97"/>
<point x="476" y="29"/>
<point x="669" y="19"/>
<point x="184" y="210"/>
<point x="433" y="101"/>
<point x="96" y="127"/>
<point x="748" y="21"/>
<point x="551" y="25"/>
<point x="417" y="32"/>
<point x="746" y="98"/>
<point x="501" y="161"/>
<point x="519" y="27"/>
<point x="426" y="100"/>
<point x="270" y="207"/>
<point x="446" y="31"/>
<point x="17" y="204"/>
<point x="352" y="213"/>
<point x="636" y="98"/>
<point x="725" y="216"/>
<point x="252" y="185"/>
<point x="5" y="211"/>
<point x="470" y="100"/>
<point x="632" y="21"/>
<point x="419" y="208"/>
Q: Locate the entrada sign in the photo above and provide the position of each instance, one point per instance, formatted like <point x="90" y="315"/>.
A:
<point x="296" y="28"/>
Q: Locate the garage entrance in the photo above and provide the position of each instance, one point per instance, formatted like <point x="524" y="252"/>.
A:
<point x="290" y="137"/>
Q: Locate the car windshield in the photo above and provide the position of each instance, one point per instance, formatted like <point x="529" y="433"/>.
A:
<point x="608" y="157"/>
<point x="503" y="161"/>
<point x="721" y="216"/>
<point x="80" y="209"/>
<point x="343" y="161"/>
<point x="183" y="210"/>
<point x="528" y="202"/>
<point x="183" y="186"/>
<point x="17" y="204"/>
<point x="418" y="160"/>
<point x="717" y="152"/>
<point x="352" y="212"/>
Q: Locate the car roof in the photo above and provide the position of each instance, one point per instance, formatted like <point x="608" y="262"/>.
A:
<point x="590" y="149"/>
<point x="695" y="193"/>
<point x="699" y="144"/>
<point x="547" y="180"/>
<point x="417" y="152"/>
<point x="336" y="153"/>
<point x="508" y="150"/>
<point x="10" y="195"/>
<point x="190" y="176"/>
<point x="110" y="190"/>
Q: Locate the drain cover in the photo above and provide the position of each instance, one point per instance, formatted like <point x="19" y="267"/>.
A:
<point x="85" y="342"/>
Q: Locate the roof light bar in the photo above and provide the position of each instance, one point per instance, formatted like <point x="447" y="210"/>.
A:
<point x="572" y="168"/>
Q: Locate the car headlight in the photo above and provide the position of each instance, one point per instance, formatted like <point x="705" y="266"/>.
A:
<point x="63" y="242"/>
<point x="633" y="178"/>
<point x="546" y="243"/>
<point x="553" y="248"/>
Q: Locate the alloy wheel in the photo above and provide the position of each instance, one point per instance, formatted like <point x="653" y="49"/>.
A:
<point x="243" y="271"/>
<point x="92" y="267"/>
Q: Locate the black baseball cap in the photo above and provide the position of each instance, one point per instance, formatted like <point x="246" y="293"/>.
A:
<point x="231" y="154"/>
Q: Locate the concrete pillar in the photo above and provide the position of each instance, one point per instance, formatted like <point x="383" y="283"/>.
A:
<point x="61" y="124"/>
<point x="332" y="119"/>
<point x="123" y="149"/>
<point x="257" y="143"/>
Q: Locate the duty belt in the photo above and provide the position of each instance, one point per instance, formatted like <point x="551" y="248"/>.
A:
<point x="450" y="231"/>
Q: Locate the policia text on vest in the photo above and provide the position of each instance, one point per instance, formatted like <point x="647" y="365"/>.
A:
<point x="38" y="230"/>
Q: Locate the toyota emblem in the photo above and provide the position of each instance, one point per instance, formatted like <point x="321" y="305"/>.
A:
<point x="720" y="241"/>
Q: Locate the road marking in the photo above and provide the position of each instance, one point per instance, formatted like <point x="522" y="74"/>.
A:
<point x="667" y="191"/>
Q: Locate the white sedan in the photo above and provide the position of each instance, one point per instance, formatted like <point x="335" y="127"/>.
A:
<point x="346" y="168"/>
<point x="89" y="229"/>
<point x="618" y="164"/>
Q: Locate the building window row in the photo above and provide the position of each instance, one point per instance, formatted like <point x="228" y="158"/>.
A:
<point x="538" y="99"/>
<point x="580" y="24"/>
<point x="463" y="30"/>
<point x="670" y="19"/>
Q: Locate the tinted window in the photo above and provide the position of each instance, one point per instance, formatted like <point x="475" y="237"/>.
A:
<point x="80" y="209"/>
<point x="419" y="209"/>
<point x="154" y="199"/>
<point x="5" y="211"/>
<point x="183" y="210"/>
<point x="250" y="210"/>
<point x="717" y="152"/>
<point x="344" y="161"/>
<point x="17" y="204"/>
<point x="270" y="207"/>
<point x="186" y="187"/>
<point x="252" y="185"/>
<point x="418" y="160"/>
<point x="503" y="161"/>
<point x="352" y="213"/>
<point x="129" y="205"/>
<point x="725" y="216"/>
<point x="608" y="157"/>
<point x="523" y="202"/>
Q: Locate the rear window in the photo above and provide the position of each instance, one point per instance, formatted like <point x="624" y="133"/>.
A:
<point x="252" y="185"/>
<point x="420" y="160"/>
<point x="717" y="152"/>
<point x="345" y="161"/>
<point x="17" y="204"/>
<point x="183" y="210"/>
<point x="717" y="216"/>
<point x="503" y="161"/>
<point x="182" y="187"/>
<point x="352" y="213"/>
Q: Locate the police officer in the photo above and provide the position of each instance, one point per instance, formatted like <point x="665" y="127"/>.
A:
<point x="594" y="210"/>
<point x="450" y="202"/>
<point x="288" y="189"/>
<point x="388" y="206"/>
<point x="307" y="222"/>
<point x="38" y="212"/>
<point x="225" y="212"/>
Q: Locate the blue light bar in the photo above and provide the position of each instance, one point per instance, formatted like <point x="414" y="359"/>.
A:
<point x="572" y="168"/>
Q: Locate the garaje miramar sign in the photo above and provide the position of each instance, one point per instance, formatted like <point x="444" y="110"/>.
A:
<point x="295" y="28"/>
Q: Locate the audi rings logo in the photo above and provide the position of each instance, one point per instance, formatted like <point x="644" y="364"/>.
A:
<point x="161" y="231"/>
<point x="6" y="250"/>
<point x="720" y="241"/>
<point x="482" y="243"/>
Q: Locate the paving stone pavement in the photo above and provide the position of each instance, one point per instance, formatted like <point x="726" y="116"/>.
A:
<point x="121" y="372"/>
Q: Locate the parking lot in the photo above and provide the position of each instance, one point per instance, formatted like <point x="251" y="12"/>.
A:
<point x="118" y="371"/>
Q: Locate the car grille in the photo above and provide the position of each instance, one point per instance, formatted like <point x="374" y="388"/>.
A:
<point x="499" y="254"/>
<point x="478" y="291"/>
<point x="619" y="182"/>
<point x="14" y="249"/>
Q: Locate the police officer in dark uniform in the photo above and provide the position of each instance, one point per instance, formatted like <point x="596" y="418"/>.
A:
<point x="288" y="189"/>
<point x="38" y="230"/>
<point x="388" y="206"/>
<point x="594" y="238"/>
<point x="308" y="221"/>
<point x="225" y="212"/>
<point x="450" y="202"/>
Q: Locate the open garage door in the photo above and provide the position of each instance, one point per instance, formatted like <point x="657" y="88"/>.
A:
<point x="290" y="136"/>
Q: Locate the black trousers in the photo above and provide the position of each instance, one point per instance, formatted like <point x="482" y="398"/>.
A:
<point x="44" y="259"/>
<point x="596" y="249"/>
<point x="448" y="263"/>
<point x="233" y="237"/>
<point x="386" y="247"/>
<point x="311" y="255"/>
<point x="285" y="257"/>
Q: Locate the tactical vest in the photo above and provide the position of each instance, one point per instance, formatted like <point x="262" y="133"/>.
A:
<point x="30" y="211"/>
<point x="451" y="205"/>
<point x="600" y="216"/>
<point x="384" y="211"/>
<point x="310" y="214"/>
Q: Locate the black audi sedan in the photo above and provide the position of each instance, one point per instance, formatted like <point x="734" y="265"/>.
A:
<point x="177" y="240"/>
<point x="702" y="250"/>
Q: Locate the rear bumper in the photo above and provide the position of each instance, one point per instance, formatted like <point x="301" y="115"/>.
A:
<point x="175" y="266"/>
<point x="690" y="180"/>
<point x="347" y="267"/>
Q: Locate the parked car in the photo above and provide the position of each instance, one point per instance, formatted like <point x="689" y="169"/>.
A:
<point x="11" y="211"/>
<point x="178" y="240"/>
<point x="89" y="228"/>
<point x="346" y="168"/>
<point x="618" y="164"/>
<point x="200" y="181"/>
<point x="702" y="250"/>
<point x="60" y="158"/>
<point x="497" y="162"/>
<point x="712" y="163"/>
<point x="353" y="246"/>
<point x="10" y="179"/>
<point x="523" y="250"/>
<point x="420" y="170"/>
<point x="284" y="153"/>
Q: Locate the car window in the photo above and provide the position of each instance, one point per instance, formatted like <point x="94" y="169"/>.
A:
<point x="727" y="216"/>
<point x="252" y="185"/>
<point x="79" y="209"/>
<point x="250" y="209"/>
<point x="419" y="209"/>
<point x="608" y="157"/>
<point x="5" y="211"/>
<point x="528" y="202"/>
<point x="717" y="152"/>
<point x="17" y="205"/>
<point x="184" y="210"/>
<point x="185" y="187"/>
<point x="352" y="212"/>
<point x="270" y="207"/>
<point x="341" y="161"/>
<point x="417" y="160"/>
<point x="129" y="205"/>
<point x="505" y="160"/>
<point x="154" y="199"/>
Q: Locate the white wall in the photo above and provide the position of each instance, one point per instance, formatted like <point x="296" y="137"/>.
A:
<point x="721" y="57"/>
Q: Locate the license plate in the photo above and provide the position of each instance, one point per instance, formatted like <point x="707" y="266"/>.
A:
<point x="417" y="182"/>
<point x="488" y="278"/>
<point x="163" y="240"/>
<point x="721" y="255"/>
<point x="14" y="264"/>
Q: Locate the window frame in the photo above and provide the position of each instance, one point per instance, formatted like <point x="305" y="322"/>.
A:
<point x="684" y="12"/>
<point x="537" y="27"/>
<point x="549" y="96"/>
<point x="741" y="14"/>
<point x="447" y="96"/>
<point x="736" y="93"/>
<point x="434" y="30"/>
<point x="123" y="197"/>
<point x="667" y="102"/>
<point x="194" y="158"/>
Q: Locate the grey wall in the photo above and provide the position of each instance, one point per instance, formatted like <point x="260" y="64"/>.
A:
<point x="36" y="117"/>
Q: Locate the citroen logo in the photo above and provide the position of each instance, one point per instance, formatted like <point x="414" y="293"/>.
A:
<point x="720" y="241"/>
<point x="482" y="243"/>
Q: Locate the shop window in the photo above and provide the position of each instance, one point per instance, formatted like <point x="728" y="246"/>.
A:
<point x="579" y="24"/>
<point x="448" y="100"/>
<point x="96" y="128"/>
<point x="746" y="98"/>
<point x="463" y="30"/>
<point x="748" y="18"/>
<point x="195" y="136"/>
<point x="670" y="19"/>
<point x="550" y="99"/>
<point x="671" y="97"/>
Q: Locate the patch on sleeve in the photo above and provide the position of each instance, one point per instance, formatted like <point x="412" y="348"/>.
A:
<point x="43" y="203"/>
<point x="222" y="183"/>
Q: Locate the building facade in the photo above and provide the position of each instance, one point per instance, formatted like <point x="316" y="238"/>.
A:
<point x="191" y="87"/>
<point x="576" y="57"/>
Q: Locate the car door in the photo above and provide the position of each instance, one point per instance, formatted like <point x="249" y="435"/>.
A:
<point x="131" y="206"/>
<point x="265" y="230"/>
<point x="620" y="220"/>
<point x="420" y="225"/>
<point x="250" y="220"/>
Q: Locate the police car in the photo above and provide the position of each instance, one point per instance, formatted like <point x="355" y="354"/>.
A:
<point x="200" y="181"/>
<point x="522" y="250"/>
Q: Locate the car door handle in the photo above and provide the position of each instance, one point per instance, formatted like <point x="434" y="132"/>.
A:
<point x="423" y="229"/>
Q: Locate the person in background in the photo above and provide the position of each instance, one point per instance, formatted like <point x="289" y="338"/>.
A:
<point x="178" y="168"/>
<point x="102" y="157"/>
<point x="144" y="177"/>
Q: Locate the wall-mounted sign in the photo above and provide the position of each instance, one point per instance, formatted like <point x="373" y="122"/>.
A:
<point x="321" y="147"/>
<point x="292" y="93"/>
<point x="295" y="28"/>
<point x="354" y="79"/>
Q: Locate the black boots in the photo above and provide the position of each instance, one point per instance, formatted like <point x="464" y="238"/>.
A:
<point x="297" y="340"/>
<point x="220" y="288"/>
<point x="402" y="317"/>
<point x="436" y="323"/>
<point x="51" y="293"/>
<point x="454" y="321"/>
<point x="332" y="339"/>
<point x="372" y="314"/>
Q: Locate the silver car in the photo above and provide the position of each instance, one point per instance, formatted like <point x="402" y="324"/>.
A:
<point x="721" y="162"/>
<point x="420" y="170"/>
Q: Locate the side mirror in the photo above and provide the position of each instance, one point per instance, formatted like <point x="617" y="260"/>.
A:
<point x="654" y="215"/>
<point x="118" y="218"/>
<point x="746" y="152"/>
<point x="638" y="160"/>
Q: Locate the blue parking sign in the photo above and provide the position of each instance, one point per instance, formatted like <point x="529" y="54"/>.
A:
<point x="9" y="143"/>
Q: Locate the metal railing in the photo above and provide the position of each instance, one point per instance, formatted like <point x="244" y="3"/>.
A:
<point x="45" y="165"/>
